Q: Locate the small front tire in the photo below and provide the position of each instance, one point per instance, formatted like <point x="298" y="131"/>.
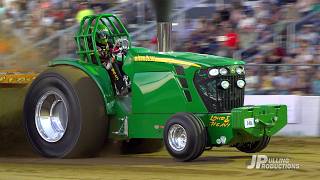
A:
<point x="253" y="147"/>
<point x="185" y="136"/>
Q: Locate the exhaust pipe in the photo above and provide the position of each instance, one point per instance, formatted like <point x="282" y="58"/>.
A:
<point x="164" y="24"/>
<point x="164" y="30"/>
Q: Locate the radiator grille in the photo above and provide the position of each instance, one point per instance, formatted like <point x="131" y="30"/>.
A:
<point x="217" y="99"/>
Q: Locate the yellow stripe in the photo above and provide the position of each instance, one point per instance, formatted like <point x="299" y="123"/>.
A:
<point x="165" y="60"/>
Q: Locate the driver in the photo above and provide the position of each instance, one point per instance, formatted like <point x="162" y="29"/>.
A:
<point x="108" y="51"/>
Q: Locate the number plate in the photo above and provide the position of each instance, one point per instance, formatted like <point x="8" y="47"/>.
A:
<point x="248" y="122"/>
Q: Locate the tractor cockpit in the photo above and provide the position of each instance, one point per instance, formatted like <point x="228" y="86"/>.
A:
<point x="104" y="41"/>
<point x="86" y="37"/>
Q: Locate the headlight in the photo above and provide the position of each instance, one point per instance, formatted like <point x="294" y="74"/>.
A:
<point x="213" y="72"/>
<point x="225" y="84"/>
<point x="223" y="71"/>
<point x="240" y="70"/>
<point x="241" y="83"/>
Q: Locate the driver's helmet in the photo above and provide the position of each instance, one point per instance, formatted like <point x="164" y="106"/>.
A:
<point x="102" y="34"/>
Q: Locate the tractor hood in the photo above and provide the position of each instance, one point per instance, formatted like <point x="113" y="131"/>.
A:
<point x="183" y="58"/>
<point x="204" y="60"/>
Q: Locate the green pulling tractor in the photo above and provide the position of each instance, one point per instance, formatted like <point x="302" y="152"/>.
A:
<point x="189" y="102"/>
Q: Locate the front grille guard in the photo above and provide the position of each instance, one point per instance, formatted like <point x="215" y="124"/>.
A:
<point x="215" y="98"/>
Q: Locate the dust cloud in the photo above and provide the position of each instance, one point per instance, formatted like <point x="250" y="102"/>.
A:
<point x="19" y="54"/>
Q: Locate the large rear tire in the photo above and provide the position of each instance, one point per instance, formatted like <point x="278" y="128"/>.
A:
<point x="185" y="136"/>
<point x="64" y="114"/>
<point x="253" y="147"/>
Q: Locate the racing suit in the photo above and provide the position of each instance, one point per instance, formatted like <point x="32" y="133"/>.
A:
<point x="107" y="55"/>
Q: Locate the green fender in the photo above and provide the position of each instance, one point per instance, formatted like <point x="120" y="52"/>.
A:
<point x="98" y="74"/>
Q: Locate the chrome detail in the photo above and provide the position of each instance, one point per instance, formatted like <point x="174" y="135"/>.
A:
<point x="123" y="130"/>
<point x="51" y="116"/>
<point x="223" y="71"/>
<point x="240" y="70"/>
<point x="164" y="30"/>
<point x="241" y="83"/>
<point x="213" y="72"/>
<point x="177" y="137"/>
<point x="225" y="84"/>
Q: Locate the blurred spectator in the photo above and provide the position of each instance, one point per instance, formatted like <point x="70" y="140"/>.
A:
<point x="230" y="28"/>
<point x="275" y="56"/>
<point x="308" y="33"/>
<point x="246" y="28"/>
<point x="305" y="6"/>
<point x="266" y="82"/>
<point x="304" y="53"/>
<point x="283" y="81"/>
<point x="301" y="85"/>
<point x="232" y="38"/>
<point x="2" y="9"/>
<point x="84" y="10"/>
<point x="224" y="14"/>
<point x="252" y="81"/>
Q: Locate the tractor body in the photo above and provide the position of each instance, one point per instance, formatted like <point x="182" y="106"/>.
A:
<point x="170" y="89"/>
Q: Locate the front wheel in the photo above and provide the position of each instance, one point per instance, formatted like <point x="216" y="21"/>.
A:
<point x="253" y="147"/>
<point x="185" y="136"/>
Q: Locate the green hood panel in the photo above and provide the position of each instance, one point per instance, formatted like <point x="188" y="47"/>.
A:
<point x="202" y="60"/>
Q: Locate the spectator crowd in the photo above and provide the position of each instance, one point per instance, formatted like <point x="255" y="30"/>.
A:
<point x="38" y="19"/>
<point x="235" y="27"/>
<point x="231" y="27"/>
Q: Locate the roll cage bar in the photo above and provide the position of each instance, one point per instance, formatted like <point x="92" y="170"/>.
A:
<point x="86" y="35"/>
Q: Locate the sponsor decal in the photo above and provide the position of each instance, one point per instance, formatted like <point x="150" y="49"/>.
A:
<point x="221" y="140"/>
<point x="3" y="78"/>
<point x="272" y="163"/>
<point x="164" y="60"/>
<point x="158" y="126"/>
<point x="115" y="74"/>
<point x="12" y="78"/>
<point x="220" y="121"/>
<point x="248" y="122"/>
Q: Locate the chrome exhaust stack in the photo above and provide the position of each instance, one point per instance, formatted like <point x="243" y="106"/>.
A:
<point x="164" y="24"/>
<point x="164" y="30"/>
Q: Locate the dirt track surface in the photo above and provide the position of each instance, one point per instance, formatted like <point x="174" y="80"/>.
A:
<point x="219" y="163"/>
<point x="17" y="160"/>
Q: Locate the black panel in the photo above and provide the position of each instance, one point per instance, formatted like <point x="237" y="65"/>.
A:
<point x="179" y="70"/>
<point x="188" y="95"/>
<point x="217" y="99"/>
<point x="183" y="82"/>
